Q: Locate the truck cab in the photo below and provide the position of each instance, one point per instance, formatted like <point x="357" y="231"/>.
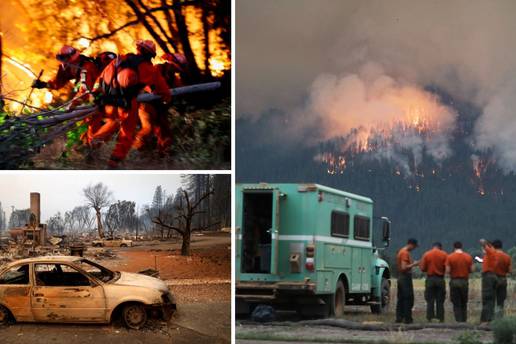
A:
<point x="308" y="247"/>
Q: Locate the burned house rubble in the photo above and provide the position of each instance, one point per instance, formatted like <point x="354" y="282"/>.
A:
<point x="33" y="239"/>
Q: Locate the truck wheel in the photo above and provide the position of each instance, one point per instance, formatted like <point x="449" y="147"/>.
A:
<point x="242" y="308"/>
<point x="385" y="299"/>
<point x="5" y="316"/>
<point x="338" y="300"/>
<point x="134" y="316"/>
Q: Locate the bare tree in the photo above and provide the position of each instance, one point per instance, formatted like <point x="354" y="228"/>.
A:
<point x="98" y="196"/>
<point x="56" y="224"/>
<point x="186" y="213"/>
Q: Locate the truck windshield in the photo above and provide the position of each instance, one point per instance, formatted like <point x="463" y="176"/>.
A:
<point x="94" y="269"/>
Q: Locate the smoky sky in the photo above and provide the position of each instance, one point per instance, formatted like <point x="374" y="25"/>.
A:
<point x="62" y="191"/>
<point x="465" y="48"/>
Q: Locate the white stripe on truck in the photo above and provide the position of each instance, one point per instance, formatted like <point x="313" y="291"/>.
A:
<point x="328" y="239"/>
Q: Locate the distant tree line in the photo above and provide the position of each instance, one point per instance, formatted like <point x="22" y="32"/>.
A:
<point x="437" y="202"/>
<point x="3" y="220"/>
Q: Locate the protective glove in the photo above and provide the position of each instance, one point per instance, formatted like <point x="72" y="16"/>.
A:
<point x="39" y="84"/>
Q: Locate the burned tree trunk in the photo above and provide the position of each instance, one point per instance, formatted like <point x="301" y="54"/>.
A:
<point x="206" y="32"/>
<point x="185" y="246"/>
<point x="185" y="41"/>
<point x="99" y="223"/>
<point x="142" y="19"/>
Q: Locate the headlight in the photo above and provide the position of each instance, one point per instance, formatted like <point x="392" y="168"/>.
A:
<point x="167" y="297"/>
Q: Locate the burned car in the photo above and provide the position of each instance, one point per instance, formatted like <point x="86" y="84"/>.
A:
<point x="110" y="242"/>
<point x="69" y="289"/>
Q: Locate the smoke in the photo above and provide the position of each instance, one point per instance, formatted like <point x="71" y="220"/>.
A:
<point x="461" y="47"/>
<point x="375" y="112"/>
<point x="496" y="128"/>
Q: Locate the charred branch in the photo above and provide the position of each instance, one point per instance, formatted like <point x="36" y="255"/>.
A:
<point x="143" y="20"/>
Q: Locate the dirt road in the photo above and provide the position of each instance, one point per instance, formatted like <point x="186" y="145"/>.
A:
<point x="194" y="323"/>
<point x="200" y="283"/>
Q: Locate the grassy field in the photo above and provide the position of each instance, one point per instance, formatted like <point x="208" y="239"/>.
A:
<point x="288" y="330"/>
<point x="362" y="314"/>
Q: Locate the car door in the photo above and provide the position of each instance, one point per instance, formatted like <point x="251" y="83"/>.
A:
<point x="15" y="291"/>
<point x="61" y="293"/>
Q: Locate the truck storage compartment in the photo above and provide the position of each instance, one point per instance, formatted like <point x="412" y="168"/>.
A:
<point x="257" y="232"/>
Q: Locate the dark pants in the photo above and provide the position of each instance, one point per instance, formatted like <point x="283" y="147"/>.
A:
<point x="435" y="294"/>
<point x="459" y="288"/>
<point x="489" y="283"/>
<point x="501" y="295"/>
<point x="405" y="300"/>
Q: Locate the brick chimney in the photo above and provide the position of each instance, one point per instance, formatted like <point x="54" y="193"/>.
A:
<point x="35" y="206"/>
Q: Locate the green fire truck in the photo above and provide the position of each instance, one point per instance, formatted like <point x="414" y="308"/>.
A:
<point x="309" y="248"/>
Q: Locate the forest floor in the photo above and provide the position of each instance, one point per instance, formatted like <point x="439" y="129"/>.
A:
<point x="289" y="327"/>
<point x="201" y="139"/>
<point x="201" y="284"/>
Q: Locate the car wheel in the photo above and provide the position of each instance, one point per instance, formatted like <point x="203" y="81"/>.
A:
<point x="5" y="316"/>
<point x="123" y="245"/>
<point x="386" y="296"/>
<point x="134" y="316"/>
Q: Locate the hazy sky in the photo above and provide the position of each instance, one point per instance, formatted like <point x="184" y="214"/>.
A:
<point x="62" y="191"/>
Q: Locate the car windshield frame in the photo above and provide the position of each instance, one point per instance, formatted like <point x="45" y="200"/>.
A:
<point x="114" y="274"/>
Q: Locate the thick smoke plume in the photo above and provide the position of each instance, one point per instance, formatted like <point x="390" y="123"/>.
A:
<point x="381" y="114"/>
<point x="461" y="47"/>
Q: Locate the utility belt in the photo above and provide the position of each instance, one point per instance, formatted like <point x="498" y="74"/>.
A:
<point x="118" y="101"/>
<point x="118" y="97"/>
<point x="405" y="274"/>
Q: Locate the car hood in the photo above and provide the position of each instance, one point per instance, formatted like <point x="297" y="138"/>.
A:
<point x="139" y="280"/>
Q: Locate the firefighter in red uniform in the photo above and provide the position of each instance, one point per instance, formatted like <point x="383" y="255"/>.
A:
<point x="174" y="70"/>
<point x="150" y="120"/>
<point x="118" y="86"/>
<point x="82" y="69"/>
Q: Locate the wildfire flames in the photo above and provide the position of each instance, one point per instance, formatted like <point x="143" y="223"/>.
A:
<point x="31" y="39"/>
<point x="401" y="142"/>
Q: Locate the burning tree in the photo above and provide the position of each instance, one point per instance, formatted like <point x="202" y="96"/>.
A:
<point x="200" y="30"/>
<point x="98" y="196"/>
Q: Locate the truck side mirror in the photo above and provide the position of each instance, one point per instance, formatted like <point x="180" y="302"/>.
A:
<point x="386" y="231"/>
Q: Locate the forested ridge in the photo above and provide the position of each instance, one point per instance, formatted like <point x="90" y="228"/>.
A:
<point x="440" y="202"/>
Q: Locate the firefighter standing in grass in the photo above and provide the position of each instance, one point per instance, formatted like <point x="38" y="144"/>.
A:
<point x="459" y="265"/>
<point x="503" y="269"/>
<point x="489" y="281"/>
<point x="405" y="300"/>
<point x="118" y="86"/>
<point x="82" y="69"/>
<point x="433" y="264"/>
